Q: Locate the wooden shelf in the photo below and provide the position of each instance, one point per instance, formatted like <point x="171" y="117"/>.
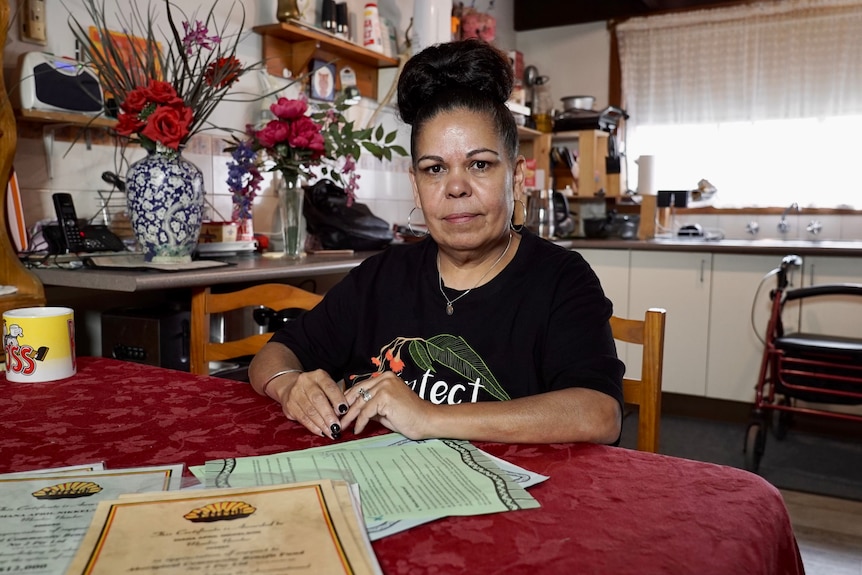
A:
<point x="294" y="46"/>
<point x="297" y="33"/>
<point x="49" y="117"/>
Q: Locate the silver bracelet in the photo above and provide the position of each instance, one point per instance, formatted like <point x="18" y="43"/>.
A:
<point x="277" y="374"/>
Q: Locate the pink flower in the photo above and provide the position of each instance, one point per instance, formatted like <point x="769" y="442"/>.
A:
<point x="289" y="109"/>
<point x="196" y="35"/>
<point x="305" y="133"/>
<point x="275" y="132"/>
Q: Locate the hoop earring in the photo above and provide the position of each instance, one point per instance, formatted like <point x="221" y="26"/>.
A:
<point x="422" y="235"/>
<point x="512" y="223"/>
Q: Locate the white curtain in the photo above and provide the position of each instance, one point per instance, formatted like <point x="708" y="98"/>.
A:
<point x="763" y="100"/>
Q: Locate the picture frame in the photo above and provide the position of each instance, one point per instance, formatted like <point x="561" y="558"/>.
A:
<point x="321" y="85"/>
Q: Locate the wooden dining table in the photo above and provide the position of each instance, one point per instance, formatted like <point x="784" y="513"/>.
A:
<point x="603" y="509"/>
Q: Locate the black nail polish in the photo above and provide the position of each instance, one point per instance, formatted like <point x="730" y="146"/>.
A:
<point x="335" y="428"/>
<point x="342" y="408"/>
<point x="336" y="435"/>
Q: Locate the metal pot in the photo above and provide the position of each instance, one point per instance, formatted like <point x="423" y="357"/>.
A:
<point x="578" y="102"/>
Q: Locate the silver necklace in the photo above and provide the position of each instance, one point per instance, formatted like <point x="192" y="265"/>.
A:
<point x="449" y="309"/>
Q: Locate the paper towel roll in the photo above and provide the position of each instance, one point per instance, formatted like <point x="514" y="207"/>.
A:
<point x="646" y="175"/>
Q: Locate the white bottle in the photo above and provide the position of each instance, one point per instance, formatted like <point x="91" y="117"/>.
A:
<point x="432" y="23"/>
<point x="372" y="38"/>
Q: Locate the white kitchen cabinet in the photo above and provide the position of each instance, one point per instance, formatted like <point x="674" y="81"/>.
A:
<point x="835" y="315"/>
<point x="612" y="267"/>
<point x="735" y="350"/>
<point x="680" y="283"/>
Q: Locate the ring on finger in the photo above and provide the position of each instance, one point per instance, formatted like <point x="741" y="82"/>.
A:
<point x="364" y="394"/>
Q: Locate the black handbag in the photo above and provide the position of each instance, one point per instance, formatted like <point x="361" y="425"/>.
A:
<point x="338" y="226"/>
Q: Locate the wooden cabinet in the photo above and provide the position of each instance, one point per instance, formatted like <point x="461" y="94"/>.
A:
<point x="679" y="282"/>
<point x="591" y="150"/>
<point x="537" y="145"/>
<point x="294" y="47"/>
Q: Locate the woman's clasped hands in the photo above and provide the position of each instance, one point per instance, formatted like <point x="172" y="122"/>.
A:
<point x="318" y="403"/>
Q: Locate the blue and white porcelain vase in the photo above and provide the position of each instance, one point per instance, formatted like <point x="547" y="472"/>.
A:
<point x="166" y="197"/>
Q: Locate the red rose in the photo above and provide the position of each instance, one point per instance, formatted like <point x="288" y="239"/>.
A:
<point x="164" y="93"/>
<point x="304" y="133"/>
<point x="223" y="72"/>
<point x="168" y="126"/>
<point x="135" y="101"/>
<point x="128" y="124"/>
<point x="289" y="109"/>
<point x="275" y="132"/>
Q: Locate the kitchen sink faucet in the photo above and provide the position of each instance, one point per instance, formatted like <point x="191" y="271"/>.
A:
<point x="783" y="224"/>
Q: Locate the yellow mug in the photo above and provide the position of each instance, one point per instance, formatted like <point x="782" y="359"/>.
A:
<point x="39" y="343"/>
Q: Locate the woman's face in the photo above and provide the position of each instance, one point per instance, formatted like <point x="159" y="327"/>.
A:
<point x="463" y="181"/>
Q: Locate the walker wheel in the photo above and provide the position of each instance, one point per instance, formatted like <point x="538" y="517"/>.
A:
<point x="781" y="420"/>
<point x="755" y="443"/>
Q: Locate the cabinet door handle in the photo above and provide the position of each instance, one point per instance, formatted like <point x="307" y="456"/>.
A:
<point x="811" y="276"/>
<point x="702" y="266"/>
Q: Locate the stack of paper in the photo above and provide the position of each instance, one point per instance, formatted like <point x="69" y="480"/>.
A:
<point x="403" y="483"/>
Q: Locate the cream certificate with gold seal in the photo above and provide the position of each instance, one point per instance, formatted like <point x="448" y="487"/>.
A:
<point x="311" y="527"/>
<point x="43" y="516"/>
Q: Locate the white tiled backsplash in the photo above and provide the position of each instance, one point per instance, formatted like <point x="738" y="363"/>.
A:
<point x="799" y="226"/>
<point x="76" y="169"/>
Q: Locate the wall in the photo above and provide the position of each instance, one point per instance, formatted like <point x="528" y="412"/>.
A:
<point x="77" y="169"/>
<point x="575" y="58"/>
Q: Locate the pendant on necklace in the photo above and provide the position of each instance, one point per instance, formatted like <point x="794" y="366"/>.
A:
<point x="449" y="309"/>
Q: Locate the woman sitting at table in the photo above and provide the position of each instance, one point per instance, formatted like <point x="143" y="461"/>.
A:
<point x="480" y="331"/>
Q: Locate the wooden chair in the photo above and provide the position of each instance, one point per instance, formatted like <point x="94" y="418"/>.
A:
<point x="30" y="292"/>
<point x="646" y="391"/>
<point x="205" y="302"/>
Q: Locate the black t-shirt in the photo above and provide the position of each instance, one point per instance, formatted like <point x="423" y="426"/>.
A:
<point x="540" y="325"/>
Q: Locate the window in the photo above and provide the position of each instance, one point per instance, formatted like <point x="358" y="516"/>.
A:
<point x="763" y="100"/>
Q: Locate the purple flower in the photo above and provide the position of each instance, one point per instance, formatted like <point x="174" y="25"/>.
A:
<point x="197" y="36"/>
<point x="243" y="179"/>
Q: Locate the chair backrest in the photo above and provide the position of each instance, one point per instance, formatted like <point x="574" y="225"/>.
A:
<point x="646" y="391"/>
<point x="205" y="302"/>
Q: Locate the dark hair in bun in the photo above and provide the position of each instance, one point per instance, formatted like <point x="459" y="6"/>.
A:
<point x="468" y="74"/>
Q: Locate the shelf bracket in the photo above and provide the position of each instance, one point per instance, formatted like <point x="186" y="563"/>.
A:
<point x="48" y="143"/>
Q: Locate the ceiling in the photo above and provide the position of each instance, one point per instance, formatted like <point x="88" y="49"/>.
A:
<point x="533" y="14"/>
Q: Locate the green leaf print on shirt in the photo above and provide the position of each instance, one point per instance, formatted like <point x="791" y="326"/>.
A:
<point x="456" y="354"/>
<point x="450" y="351"/>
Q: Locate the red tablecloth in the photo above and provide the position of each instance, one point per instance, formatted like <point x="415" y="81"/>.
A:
<point x="604" y="509"/>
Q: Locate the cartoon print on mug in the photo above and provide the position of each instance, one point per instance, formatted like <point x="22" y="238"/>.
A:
<point x="29" y="334"/>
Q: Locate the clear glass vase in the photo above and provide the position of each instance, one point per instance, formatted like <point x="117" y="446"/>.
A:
<point x="291" y="196"/>
<point x="166" y="197"/>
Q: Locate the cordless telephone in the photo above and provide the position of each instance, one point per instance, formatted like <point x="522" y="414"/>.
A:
<point x="67" y="237"/>
<point x="72" y="237"/>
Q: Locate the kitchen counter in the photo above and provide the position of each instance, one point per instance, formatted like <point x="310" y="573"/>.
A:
<point x="752" y="247"/>
<point x="259" y="269"/>
<point x="251" y="268"/>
